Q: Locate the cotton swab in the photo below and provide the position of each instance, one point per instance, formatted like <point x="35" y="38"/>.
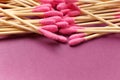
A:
<point x="77" y="41"/>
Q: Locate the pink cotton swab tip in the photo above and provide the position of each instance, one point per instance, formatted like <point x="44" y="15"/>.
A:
<point x="73" y="13"/>
<point x="62" y="24"/>
<point x="56" y="18"/>
<point x="65" y="11"/>
<point x="73" y="6"/>
<point x="41" y="9"/>
<point x="45" y="1"/>
<point x="79" y="35"/>
<point x="58" y="1"/>
<point x="53" y="36"/>
<point x="70" y="20"/>
<point x="62" y="6"/>
<point x="70" y="1"/>
<point x="47" y="21"/>
<point x="51" y="28"/>
<point x="47" y="5"/>
<point x="52" y="13"/>
<point x="68" y="30"/>
<point x="76" y="41"/>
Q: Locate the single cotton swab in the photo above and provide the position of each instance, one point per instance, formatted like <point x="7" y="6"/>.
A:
<point x="77" y="41"/>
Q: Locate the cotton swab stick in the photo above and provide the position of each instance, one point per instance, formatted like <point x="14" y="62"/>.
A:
<point x="7" y="5"/>
<point x="26" y="2"/>
<point x="8" y="29"/>
<point x="33" y="2"/>
<point x="105" y="10"/>
<point x="98" y="31"/>
<point x="16" y="25"/>
<point x="4" y="1"/>
<point x="97" y="22"/>
<point x="81" y="1"/>
<point x="42" y="8"/>
<point x="99" y="4"/>
<point x="88" y="18"/>
<point x="13" y="32"/>
<point x="21" y="3"/>
<point x="103" y="6"/>
<point x="107" y="2"/>
<point x="88" y="1"/>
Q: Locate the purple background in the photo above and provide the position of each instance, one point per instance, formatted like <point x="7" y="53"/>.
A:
<point x="38" y="58"/>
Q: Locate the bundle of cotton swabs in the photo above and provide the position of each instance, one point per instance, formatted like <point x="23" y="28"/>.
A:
<point x="81" y="20"/>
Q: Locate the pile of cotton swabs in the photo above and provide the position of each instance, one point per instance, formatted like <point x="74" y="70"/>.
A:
<point x="81" y="20"/>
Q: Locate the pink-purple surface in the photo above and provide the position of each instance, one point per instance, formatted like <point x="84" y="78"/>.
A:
<point x="37" y="58"/>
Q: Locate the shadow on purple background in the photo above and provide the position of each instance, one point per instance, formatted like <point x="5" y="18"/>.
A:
<point x="37" y="58"/>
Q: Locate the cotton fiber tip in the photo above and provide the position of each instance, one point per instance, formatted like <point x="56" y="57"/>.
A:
<point x="62" y="24"/>
<point x="47" y="5"/>
<point x="70" y="20"/>
<point x="70" y="1"/>
<point x="62" y="6"/>
<point x="48" y="34"/>
<point x="53" y="13"/>
<point x="47" y="21"/>
<point x="56" y="2"/>
<point x="59" y="1"/>
<point x="41" y="9"/>
<point x="79" y="35"/>
<point x="73" y="7"/>
<point x="46" y="1"/>
<point x="56" y="18"/>
<point x="51" y="28"/>
<point x="76" y="41"/>
<point x="53" y="36"/>
<point x="73" y="13"/>
<point x="62" y="39"/>
<point x="68" y="31"/>
<point x="65" y="11"/>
